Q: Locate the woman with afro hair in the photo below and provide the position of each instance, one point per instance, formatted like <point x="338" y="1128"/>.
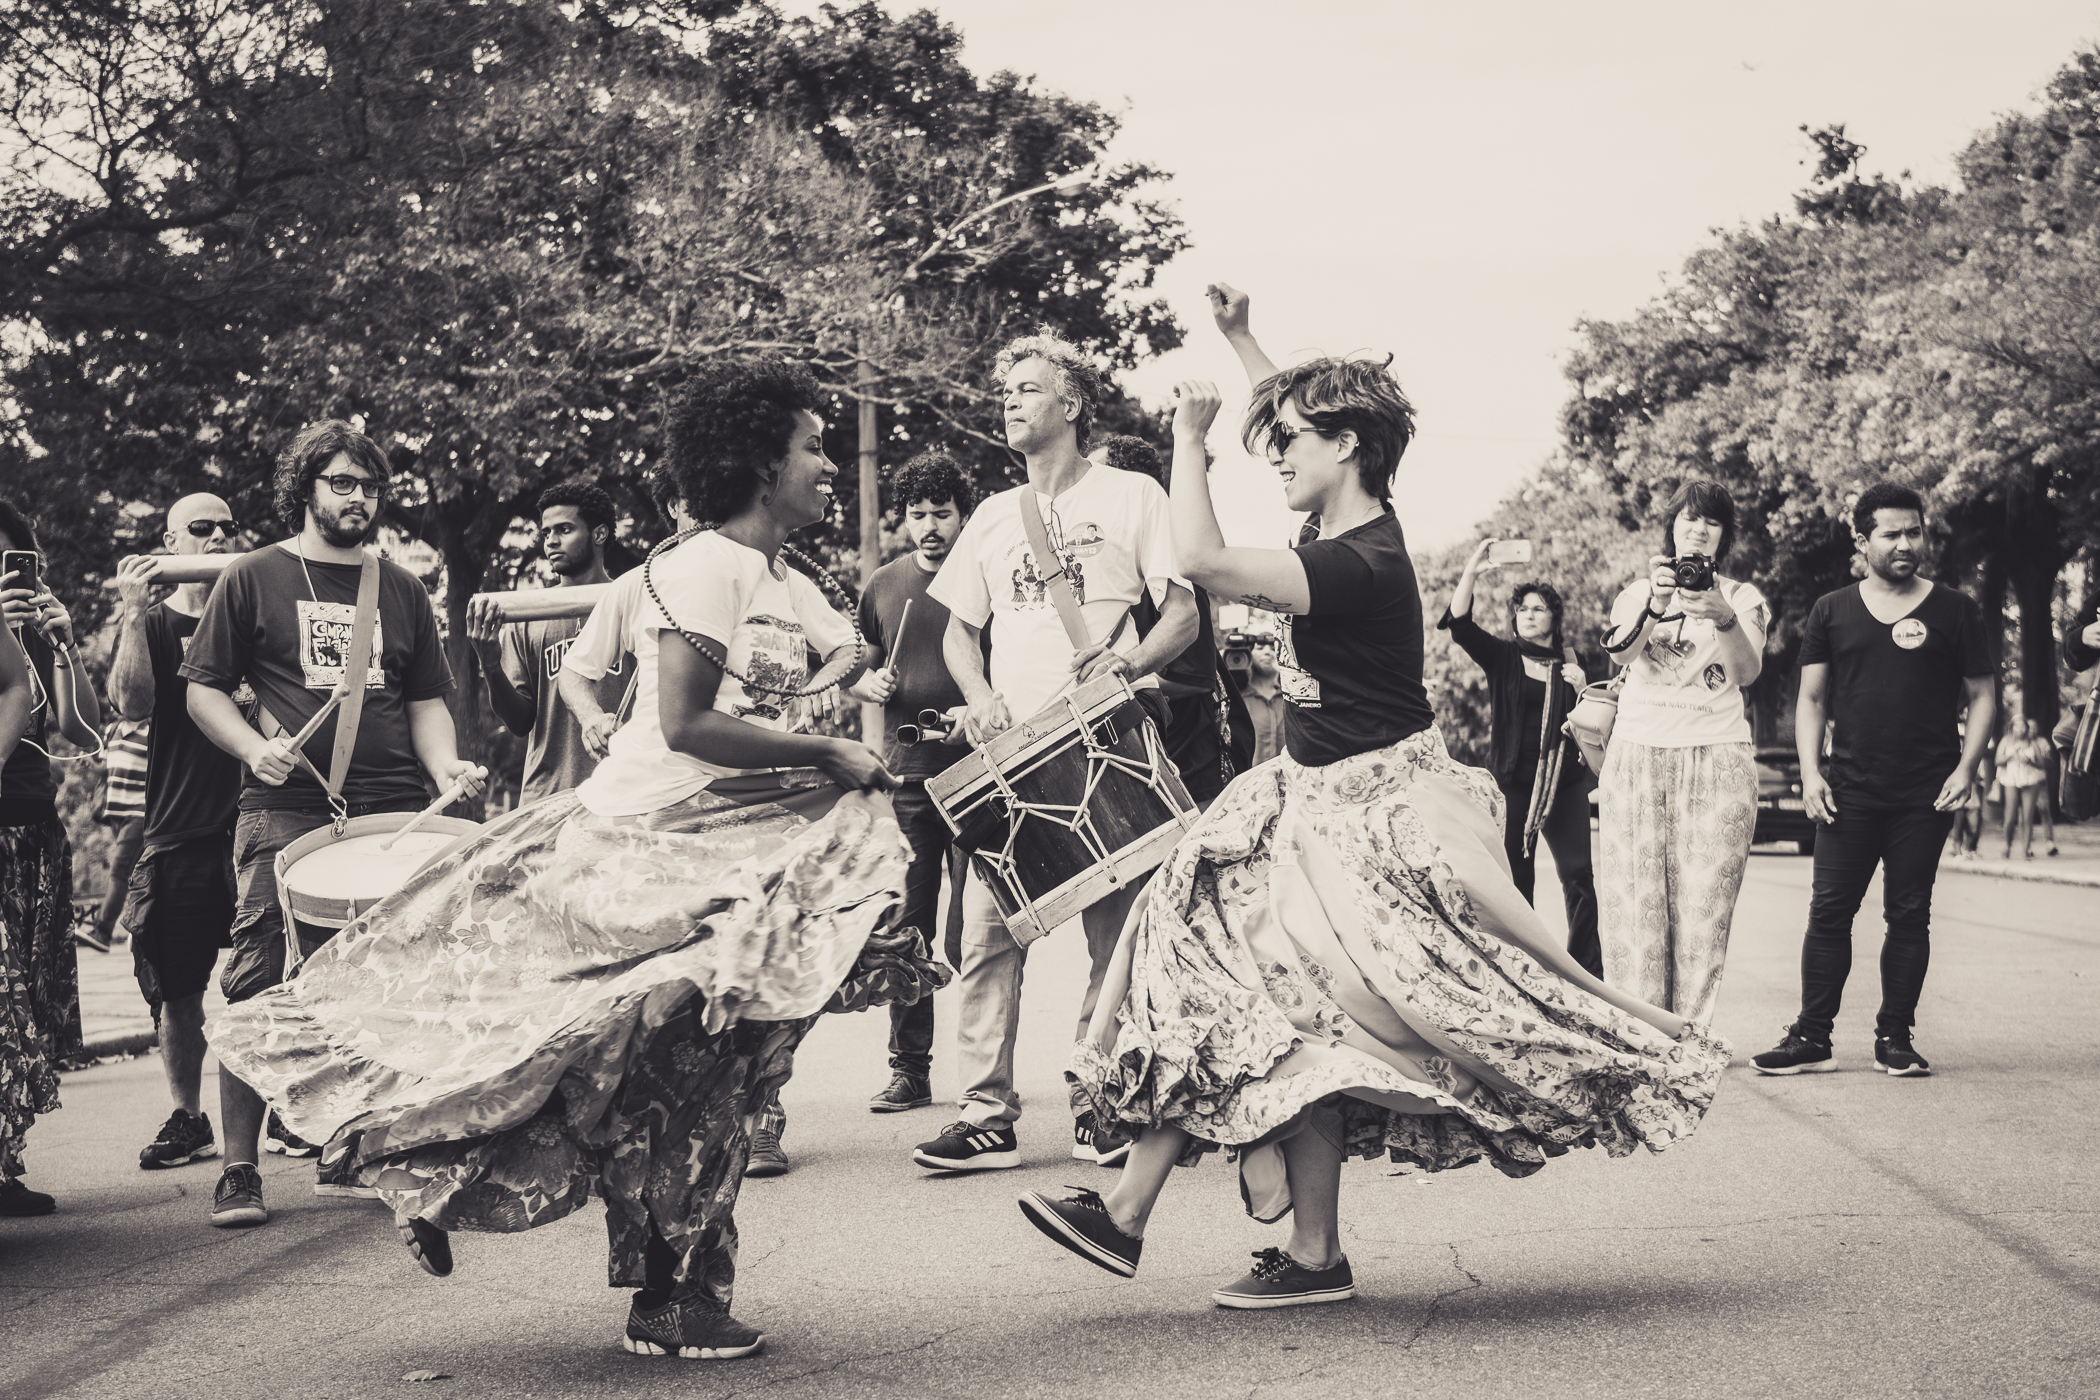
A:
<point x="595" y="994"/>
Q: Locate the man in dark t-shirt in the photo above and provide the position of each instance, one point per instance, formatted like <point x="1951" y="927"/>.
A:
<point x="283" y="619"/>
<point x="181" y="889"/>
<point x="1892" y="661"/>
<point x="907" y="674"/>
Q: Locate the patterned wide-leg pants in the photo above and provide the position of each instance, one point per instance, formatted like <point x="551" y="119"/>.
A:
<point x="1675" y="828"/>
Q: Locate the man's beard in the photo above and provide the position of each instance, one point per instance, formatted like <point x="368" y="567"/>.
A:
<point x="344" y="536"/>
<point x="576" y="565"/>
<point x="1888" y="568"/>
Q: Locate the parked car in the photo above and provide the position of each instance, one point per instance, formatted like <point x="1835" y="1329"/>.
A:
<point x="1781" y="815"/>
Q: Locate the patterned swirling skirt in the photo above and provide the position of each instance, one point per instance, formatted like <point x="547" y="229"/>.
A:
<point x="569" y="1002"/>
<point x="1351" y="930"/>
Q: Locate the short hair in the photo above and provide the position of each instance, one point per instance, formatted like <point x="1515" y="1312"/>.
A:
<point x="1552" y="597"/>
<point x="1338" y="395"/>
<point x="663" y="494"/>
<point x="934" y="476"/>
<point x="728" y="422"/>
<point x="1078" y="382"/>
<point x="1708" y="498"/>
<point x="592" y="504"/>
<point x="1127" y="452"/>
<point x="17" y="526"/>
<point x="1884" y="495"/>
<point x="312" y="449"/>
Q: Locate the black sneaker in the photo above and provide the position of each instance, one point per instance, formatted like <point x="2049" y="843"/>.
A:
<point x="694" y="1326"/>
<point x="336" y="1174"/>
<point x="279" y="1138"/>
<point x="1104" y="1146"/>
<point x="1081" y="1223"/>
<point x="431" y="1246"/>
<point x="905" y="1091"/>
<point x="1279" y="1281"/>
<point x="238" y="1199"/>
<point x="965" y="1147"/>
<point x="767" y="1157"/>
<point x="184" y="1138"/>
<point x="1893" y="1055"/>
<point x="18" y="1200"/>
<point x="1795" y="1054"/>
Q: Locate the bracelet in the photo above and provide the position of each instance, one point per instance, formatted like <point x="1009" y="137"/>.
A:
<point x="1728" y="626"/>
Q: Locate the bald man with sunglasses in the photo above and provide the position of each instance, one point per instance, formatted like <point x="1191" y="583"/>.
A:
<point x="181" y="891"/>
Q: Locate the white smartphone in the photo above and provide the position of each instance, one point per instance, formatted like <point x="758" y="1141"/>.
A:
<point x="1509" y="552"/>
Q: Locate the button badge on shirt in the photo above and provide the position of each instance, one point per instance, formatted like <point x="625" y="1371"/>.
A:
<point x="1908" y="634"/>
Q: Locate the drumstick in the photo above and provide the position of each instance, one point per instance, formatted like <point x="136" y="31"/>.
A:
<point x="445" y="799"/>
<point x="335" y="698"/>
<point x="897" y="642"/>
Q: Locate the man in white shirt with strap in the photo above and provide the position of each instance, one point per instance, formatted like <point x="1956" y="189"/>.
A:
<point x="1112" y="537"/>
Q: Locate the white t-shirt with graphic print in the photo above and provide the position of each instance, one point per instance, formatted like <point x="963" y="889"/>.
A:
<point x="1112" y="529"/>
<point x="769" y="618"/>
<point x="1677" y="693"/>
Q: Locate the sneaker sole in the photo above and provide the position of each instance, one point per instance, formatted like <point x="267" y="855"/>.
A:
<point x="1914" y="1072"/>
<point x="1113" y="1157"/>
<point x="890" y="1106"/>
<point x="642" y="1346"/>
<point x="162" y="1164"/>
<point x="982" y="1162"/>
<point x="348" y="1193"/>
<point x="241" y="1215"/>
<point x="766" y="1169"/>
<point x="1052" y="1224"/>
<point x="1818" y="1067"/>
<point x="1249" y="1300"/>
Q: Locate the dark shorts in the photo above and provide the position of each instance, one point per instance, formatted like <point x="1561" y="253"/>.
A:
<point x="257" y="963"/>
<point x="181" y="903"/>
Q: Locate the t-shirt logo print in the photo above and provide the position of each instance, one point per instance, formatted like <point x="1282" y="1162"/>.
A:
<point x="325" y="630"/>
<point x="1032" y="590"/>
<point x="1908" y="634"/>
<point x="1300" y="687"/>
<point x="776" y="654"/>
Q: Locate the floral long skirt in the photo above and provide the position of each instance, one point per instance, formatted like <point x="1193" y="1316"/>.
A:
<point x="36" y="902"/>
<point x="569" y="1003"/>
<point x="1352" y="930"/>
<point x="28" y="1083"/>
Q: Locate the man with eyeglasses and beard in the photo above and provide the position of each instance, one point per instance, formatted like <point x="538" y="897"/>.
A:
<point x="282" y="619"/>
<point x="181" y="888"/>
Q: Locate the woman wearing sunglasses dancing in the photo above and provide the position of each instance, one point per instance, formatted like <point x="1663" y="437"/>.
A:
<point x="1335" y="961"/>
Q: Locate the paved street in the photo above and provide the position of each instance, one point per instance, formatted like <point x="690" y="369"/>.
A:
<point x="1841" y="1235"/>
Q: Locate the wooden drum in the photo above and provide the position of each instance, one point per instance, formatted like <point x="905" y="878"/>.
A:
<point x="1066" y="806"/>
<point x="327" y="882"/>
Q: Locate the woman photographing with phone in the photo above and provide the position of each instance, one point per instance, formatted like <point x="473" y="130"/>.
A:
<point x="1531" y="687"/>
<point x="28" y="1082"/>
<point x="1677" y="802"/>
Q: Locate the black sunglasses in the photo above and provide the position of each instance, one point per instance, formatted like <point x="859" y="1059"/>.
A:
<point x="201" y="529"/>
<point x="1282" y="435"/>
<point x="342" y="483"/>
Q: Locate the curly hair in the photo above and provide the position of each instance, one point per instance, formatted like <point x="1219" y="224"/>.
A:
<point x="1549" y="595"/>
<point x="933" y="476"/>
<point x="592" y="504"/>
<point x="1129" y="453"/>
<point x="1338" y="395"/>
<point x="1078" y="382"/>
<point x="725" y="425"/>
<point x="1703" y="497"/>
<point x="313" y="448"/>
<point x="1883" y="495"/>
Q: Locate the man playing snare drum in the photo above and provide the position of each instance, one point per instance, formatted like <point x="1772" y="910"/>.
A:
<point x="1114" y="541"/>
<point x="282" y="619"/>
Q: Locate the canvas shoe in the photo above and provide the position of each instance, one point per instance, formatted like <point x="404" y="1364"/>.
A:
<point x="905" y="1091"/>
<point x="1279" y="1281"/>
<point x="1082" y="1224"/>
<point x="767" y="1158"/>
<point x="238" y="1199"/>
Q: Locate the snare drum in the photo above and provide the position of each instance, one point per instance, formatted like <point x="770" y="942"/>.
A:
<point x="1065" y="807"/>
<point x="327" y="882"/>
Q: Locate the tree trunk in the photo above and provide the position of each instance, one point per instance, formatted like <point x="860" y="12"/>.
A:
<point x="2034" y="589"/>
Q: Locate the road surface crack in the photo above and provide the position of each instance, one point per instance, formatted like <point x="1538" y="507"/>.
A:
<point x="1436" y="1304"/>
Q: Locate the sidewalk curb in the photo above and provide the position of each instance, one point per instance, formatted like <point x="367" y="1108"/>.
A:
<point x="132" y="1044"/>
<point x="2032" y="876"/>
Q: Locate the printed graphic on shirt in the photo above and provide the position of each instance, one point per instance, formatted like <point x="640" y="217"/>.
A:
<point x="1908" y="634"/>
<point x="1299" y="686"/>
<point x="777" y="665"/>
<point x="1032" y="589"/>
<point x="554" y="653"/>
<point x="1715" y="676"/>
<point x="324" y="644"/>
<point x="1668" y="654"/>
<point x="243" y="695"/>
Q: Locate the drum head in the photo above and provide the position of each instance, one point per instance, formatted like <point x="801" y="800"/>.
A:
<point x="329" y="880"/>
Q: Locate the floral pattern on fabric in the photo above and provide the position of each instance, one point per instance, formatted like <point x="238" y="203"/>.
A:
<point x="28" y="1083"/>
<point x="571" y="1002"/>
<point x="1521" y="1064"/>
<point x="36" y="902"/>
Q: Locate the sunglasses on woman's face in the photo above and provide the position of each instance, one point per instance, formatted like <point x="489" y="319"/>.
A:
<point x="202" y="529"/>
<point x="1282" y="435"/>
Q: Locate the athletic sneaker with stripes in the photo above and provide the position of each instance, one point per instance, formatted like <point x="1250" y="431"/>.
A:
<point x="967" y="1147"/>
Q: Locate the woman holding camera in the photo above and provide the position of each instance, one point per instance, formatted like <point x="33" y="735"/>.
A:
<point x="1677" y="802"/>
<point x="1545" y="787"/>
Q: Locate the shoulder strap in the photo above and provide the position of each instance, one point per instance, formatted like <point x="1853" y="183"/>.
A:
<point x="354" y="668"/>
<point x="1055" y="580"/>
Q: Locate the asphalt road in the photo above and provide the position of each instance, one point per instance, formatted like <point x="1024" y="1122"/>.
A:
<point x="1843" y="1235"/>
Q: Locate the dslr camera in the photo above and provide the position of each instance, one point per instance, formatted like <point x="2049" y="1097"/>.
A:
<point x="1695" y="572"/>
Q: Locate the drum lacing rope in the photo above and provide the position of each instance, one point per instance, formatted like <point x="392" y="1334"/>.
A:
<point x="817" y="573"/>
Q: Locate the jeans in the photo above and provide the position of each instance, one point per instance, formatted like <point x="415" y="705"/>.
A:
<point x="990" y="1015"/>
<point x="911" y="1027"/>
<point x="1567" y="834"/>
<point x="1906" y="843"/>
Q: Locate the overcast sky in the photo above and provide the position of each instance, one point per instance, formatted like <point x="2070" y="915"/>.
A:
<point x="1460" y="183"/>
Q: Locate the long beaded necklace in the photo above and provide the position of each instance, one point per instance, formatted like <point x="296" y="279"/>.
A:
<point x="813" y="695"/>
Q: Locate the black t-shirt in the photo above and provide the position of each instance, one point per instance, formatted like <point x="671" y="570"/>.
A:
<point x="923" y="682"/>
<point x="290" y="638"/>
<point x="192" y="785"/>
<point x="1531" y="727"/>
<point x="1351" y="668"/>
<point x="28" y="788"/>
<point x="1894" y="692"/>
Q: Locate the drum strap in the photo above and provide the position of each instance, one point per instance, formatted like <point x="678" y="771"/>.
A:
<point x="354" y="668"/>
<point x="1056" y="580"/>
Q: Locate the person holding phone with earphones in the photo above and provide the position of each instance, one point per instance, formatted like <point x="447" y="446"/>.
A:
<point x="36" y="859"/>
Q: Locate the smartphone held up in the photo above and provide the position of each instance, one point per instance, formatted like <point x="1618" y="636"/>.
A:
<point x="1509" y="552"/>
